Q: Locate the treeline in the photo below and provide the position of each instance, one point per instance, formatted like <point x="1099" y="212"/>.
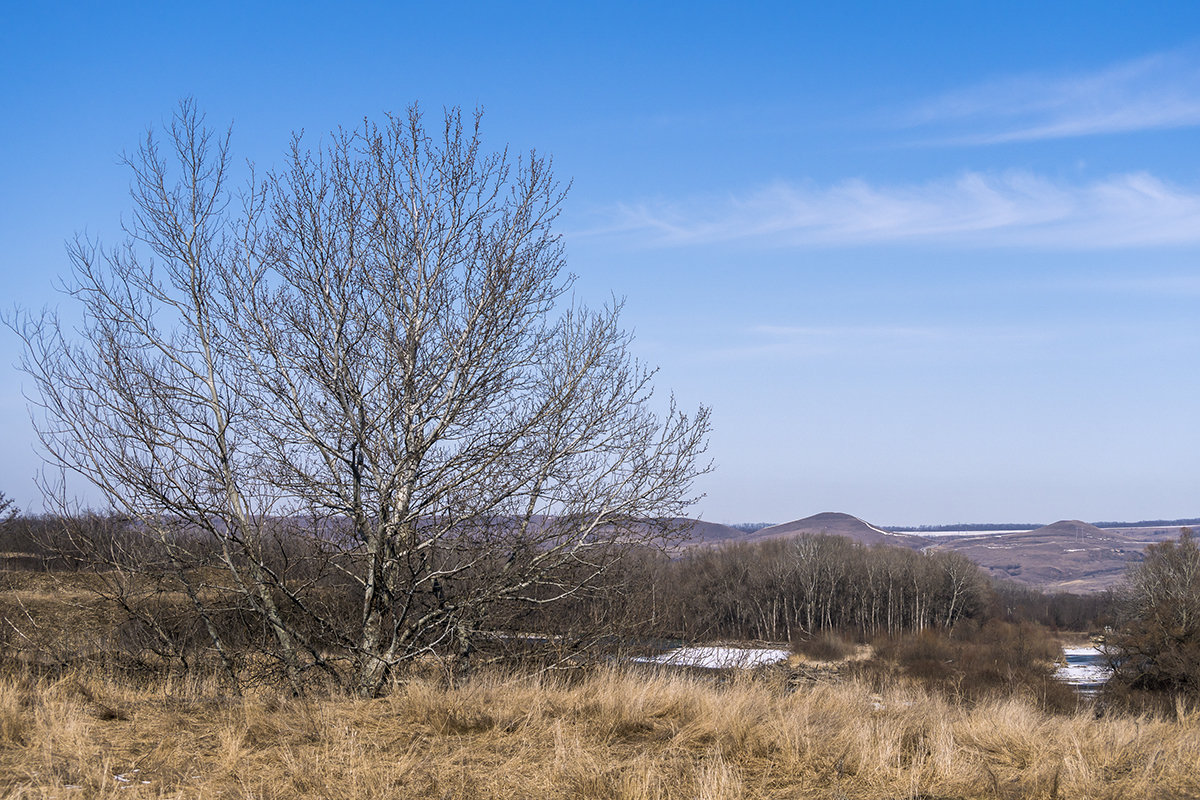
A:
<point x="796" y="590"/>
<point x="784" y="589"/>
<point x="802" y="588"/>
<point x="934" y="613"/>
<point x="1001" y="527"/>
<point x="1151" y="523"/>
<point x="30" y="541"/>
<point x="777" y="590"/>
<point x="1061" y="611"/>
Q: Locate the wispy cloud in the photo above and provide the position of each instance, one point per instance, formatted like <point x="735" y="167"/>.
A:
<point x="1156" y="92"/>
<point x="1018" y="209"/>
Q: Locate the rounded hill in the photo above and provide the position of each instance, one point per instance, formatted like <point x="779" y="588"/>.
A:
<point x="831" y="523"/>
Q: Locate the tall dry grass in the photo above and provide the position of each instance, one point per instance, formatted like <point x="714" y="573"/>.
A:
<point x="608" y="734"/>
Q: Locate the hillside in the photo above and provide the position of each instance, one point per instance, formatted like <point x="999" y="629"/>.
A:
<point x="711" y="533"/>
<point x="837" y="524"/>
<point x="1067" y="556"/>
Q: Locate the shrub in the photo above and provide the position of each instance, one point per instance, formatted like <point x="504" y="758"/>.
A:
<point x="823" y="647"/>
<point x="1156" y="649"/>
<point x="971" y="664"/>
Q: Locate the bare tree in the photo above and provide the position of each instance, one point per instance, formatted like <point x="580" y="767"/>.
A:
<point x="8" y="508"/>
<point x="8" y="513"/>
<point x="1157" y="646"/>
<point x="365" y="384"/>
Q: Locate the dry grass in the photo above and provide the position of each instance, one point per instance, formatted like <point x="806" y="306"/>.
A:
<point x="606" y="735"/>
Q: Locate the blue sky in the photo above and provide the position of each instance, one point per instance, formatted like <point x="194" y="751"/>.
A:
<point x="927" y="262"/>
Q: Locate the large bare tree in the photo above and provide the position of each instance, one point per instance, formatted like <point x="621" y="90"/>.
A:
<point x="1156" y="647"/>
<point x="362" y="387"/>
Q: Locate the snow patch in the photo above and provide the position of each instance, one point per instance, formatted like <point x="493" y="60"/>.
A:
<point x="1085" y="668"/>
<point x="879" y="530"/>
<point x="718" y="657"/>
<point x="1085" y="651"/>
<point x="940" y="534"/>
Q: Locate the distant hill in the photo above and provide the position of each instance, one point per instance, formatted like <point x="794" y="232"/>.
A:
<point x="751" y="527"/>
<point x="710" y="533"/>
<point x="837" y="524"/>
<point x="1071" y="528"/>
<point x="1066" y="556"/>
<point x="1147" y="534"/>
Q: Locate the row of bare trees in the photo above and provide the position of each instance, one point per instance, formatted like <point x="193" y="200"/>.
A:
<point x="173" y="605"/>
<point x="783" y="589"/>
<point x="775" y="590"/>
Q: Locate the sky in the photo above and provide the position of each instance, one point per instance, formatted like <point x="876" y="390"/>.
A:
<point x="926" y="262"/>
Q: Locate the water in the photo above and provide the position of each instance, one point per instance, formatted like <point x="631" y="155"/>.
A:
<point x="1085" y="669"/>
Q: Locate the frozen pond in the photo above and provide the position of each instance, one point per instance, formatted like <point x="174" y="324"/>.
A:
<point x="1085" y="669"/>
<point x="718" y="657"/>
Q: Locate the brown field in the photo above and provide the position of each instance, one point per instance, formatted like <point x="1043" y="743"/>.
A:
<point x="604" y="734"/>
<point x="75" y="722"/>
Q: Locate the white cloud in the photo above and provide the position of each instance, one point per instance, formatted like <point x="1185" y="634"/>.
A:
<point x="1017" y="209"/>
<point x="1156" y="92"/>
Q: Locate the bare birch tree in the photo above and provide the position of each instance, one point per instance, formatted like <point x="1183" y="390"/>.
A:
<point x="363" y="386"/>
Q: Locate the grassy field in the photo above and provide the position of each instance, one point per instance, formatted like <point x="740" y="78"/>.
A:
<point x="75" y="724"/>
<point x="606" y="734"/>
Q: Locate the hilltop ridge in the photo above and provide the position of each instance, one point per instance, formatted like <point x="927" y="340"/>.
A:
<point x="833" y="523"/>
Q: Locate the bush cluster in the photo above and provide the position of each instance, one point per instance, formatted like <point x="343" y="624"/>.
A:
<point x="973" y="663"/>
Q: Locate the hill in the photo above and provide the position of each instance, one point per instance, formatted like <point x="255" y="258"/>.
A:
<point x="837" y="524"/>
<point x="1066" y="556"/>
<point x="710" y="533"/>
